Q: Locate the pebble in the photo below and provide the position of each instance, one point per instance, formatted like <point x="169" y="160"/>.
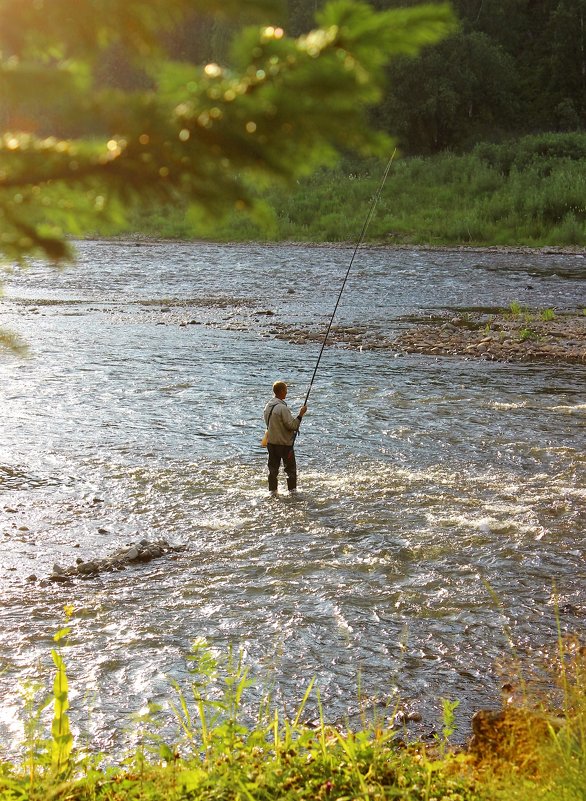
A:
<point x="401" y="717"/>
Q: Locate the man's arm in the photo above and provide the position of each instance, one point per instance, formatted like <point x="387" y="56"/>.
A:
<point x="292" y="422"/>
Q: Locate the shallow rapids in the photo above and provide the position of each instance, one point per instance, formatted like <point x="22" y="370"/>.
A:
<point x="442" y="502"/>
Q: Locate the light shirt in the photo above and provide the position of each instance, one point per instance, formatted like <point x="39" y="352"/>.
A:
<point x="282" y="425"/>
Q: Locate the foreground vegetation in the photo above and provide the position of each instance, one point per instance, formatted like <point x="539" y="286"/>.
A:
<point x="525" y="193"/>
<point x="529" y="750"/>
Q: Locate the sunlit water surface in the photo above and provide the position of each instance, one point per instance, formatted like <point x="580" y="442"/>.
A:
<point x="442" y="504"/>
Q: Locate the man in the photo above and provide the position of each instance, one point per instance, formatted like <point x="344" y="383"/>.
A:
<point x="281" y="426"/>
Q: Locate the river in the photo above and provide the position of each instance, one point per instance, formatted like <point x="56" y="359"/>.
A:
<point x="442" y="502"/>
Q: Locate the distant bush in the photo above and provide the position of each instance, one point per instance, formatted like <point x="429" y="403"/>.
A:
<point x="521" y="153"/>
<point x="529" y="192"/>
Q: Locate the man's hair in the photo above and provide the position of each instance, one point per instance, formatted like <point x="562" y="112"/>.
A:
<point x="279" y="387"/>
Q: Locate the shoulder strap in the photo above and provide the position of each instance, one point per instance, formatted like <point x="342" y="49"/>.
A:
<point x="272" y="410"/>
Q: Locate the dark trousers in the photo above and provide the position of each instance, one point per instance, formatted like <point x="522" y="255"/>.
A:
<point x="286" y="454"/>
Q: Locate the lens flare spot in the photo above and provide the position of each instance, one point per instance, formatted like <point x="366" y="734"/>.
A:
<point x="213" y="70"/>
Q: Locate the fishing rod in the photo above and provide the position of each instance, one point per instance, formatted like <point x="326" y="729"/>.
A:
<point x="365" y="225"/>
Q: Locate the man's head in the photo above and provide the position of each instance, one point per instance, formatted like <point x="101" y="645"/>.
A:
<point x="280" y="390"/>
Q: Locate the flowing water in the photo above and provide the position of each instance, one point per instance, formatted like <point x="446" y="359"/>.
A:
<point x="442" y="501"/>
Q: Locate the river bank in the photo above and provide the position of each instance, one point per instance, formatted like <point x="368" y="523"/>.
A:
<point x="146" y="239"/>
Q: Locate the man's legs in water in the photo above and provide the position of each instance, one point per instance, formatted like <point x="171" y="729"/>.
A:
<point x="274" y="464"/>
<point x="290" y="467"/>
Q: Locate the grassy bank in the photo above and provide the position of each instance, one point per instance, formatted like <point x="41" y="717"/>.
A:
<point x="532" y="750"/>
<point x="526" y="193"/>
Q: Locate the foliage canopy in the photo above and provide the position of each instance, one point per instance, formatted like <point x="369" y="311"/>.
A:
<point x="72" y="148"/>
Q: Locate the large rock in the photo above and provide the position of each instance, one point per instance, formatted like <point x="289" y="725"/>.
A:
<point x="511" y="736"/>
<point x="133" y="554"/>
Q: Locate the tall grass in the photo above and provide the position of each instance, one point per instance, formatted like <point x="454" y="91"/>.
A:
<point x="530" y="192"/>
<point x="535" y="750"/>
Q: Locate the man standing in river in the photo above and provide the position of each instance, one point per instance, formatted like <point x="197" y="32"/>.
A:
<point x="281" y="427"/>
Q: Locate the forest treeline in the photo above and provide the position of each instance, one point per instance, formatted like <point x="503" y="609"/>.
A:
<point x="513" y="68"/>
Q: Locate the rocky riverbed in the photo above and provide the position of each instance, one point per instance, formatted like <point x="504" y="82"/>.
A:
<point x="522" y="335"/>
<point x="501" y="336"/>
<point x="505" y="335"/>
<point x="497" y="336"/>
<point x="510" y="335"/>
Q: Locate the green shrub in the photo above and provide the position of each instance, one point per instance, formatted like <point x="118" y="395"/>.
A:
<point x="529" y="150"/>
<point x="526" y="192"/>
